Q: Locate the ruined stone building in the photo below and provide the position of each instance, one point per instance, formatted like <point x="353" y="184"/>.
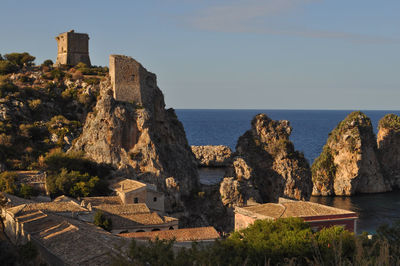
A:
<point x="72" y="48"/>
<point x="131" y="81"/>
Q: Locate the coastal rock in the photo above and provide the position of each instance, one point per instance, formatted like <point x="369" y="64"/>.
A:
<point x="212" y="155"/>
<point x="268" y="166"/>
<point x="348" y="163"/>
<point x="146" y="141"/>
<point x="389" y="148"/>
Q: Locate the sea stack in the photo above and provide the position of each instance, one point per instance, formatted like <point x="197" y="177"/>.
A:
<point x="348" y="163"/>
<point x="130" y="129"/>
<point x="389" y="148"/>
<point x="266" y="166"/>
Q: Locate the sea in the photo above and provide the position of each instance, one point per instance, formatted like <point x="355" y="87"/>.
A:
<point x="309" y="134"/>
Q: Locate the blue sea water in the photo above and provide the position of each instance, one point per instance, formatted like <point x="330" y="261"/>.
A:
<point x="310" y="132"/>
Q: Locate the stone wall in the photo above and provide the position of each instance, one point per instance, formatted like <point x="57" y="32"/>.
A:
<point x="131" y="82"/>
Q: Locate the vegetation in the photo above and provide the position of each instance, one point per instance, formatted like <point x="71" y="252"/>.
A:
<point x="9" y="184"/>
<point x="390" y="121"/>
<point x="73" y="175"/>
<point x="281" y="242"/>
<point x="40" y="112"/>
<point x="102" y="221"/>
<point x="323" y="168"/>
<point x="20" y="59"/>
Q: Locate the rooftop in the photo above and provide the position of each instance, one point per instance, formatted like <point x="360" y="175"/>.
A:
<point x="290" y="208"/>
<point x="96" y="201"/>
<point x="127" y="185"/>
<point x="132" y="215"/>
<point x="56" y="207"/>
<point x="180" y="235"/>
<point x="124" y="209"/>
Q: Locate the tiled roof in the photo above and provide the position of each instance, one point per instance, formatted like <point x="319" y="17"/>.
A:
<point x="56" y="207"/>
<point x="12" y="201"/>
<point x="180" y="235"/>
<point x="74" y="242"/>
<point x="127" y="185"/>
<point x="132" y="215"/>
<point x="290" y="208"/>
<point x="125" y="209"/>
<point x="96" y="201"/>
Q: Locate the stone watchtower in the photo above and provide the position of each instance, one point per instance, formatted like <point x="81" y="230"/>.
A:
<point x="72" y="48"/>
<point x="131" y="82"/>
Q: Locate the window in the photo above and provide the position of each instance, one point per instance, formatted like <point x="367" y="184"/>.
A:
<point x="139" y="231"/>
<point x="171" y="228"/>
<point x="155" y="199"/>
<point x="155" y="229"/>
<point x="136" y="200"/>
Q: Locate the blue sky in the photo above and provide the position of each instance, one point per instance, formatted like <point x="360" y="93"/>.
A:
<point x="253" y="54"/>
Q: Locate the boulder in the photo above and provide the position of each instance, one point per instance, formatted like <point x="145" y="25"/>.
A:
<point x="212" y="155"/>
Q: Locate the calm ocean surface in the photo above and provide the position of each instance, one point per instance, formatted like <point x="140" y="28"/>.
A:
<point x="310" y="132"/>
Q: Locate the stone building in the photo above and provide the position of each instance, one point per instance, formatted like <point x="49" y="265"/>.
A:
<point x="132" y="191"/>
<point x="131" y="82"/>
<point x="317" y="215"/>
<point x="72" y="48"/>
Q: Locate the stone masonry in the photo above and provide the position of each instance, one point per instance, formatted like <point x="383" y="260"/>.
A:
<point x="131" y="82"/>
<point x="72" y="48"/>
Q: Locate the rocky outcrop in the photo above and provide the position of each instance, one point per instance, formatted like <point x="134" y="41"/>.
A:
<point x="389" y="148"/>
<point x="266" y="166"/>
<point x="348" y="163"/>
<point x="146" y="141"/>
<point x="212" y="155"/>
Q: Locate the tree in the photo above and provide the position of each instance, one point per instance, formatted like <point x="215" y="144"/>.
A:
<point x="20" y="59"/>
<point x="7" y="67"/>
<point x="102" y="221"/>
<point x="47" y="63"/>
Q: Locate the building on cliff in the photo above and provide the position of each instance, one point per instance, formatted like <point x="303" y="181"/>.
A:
<point x="72" y="48"/>
<point x="317" y="215"/>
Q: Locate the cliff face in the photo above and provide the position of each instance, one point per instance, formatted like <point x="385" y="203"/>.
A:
<point x="266" y="166"/>
<point x="348" y="163"/>
<point x="389" y="148"/>
<point x="212" y="155"/>
<point x="146" y="141"/>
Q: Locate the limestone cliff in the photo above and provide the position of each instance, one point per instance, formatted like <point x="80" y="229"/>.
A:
<point x="266" y="166"/>
<point x="348" y="163"/>
<point x="389" y="148"/>
<point x="212" y="155"/>
<point x="146" y="141"/>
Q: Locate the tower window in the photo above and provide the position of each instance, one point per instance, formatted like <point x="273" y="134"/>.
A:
<point x="155" y="199"/>
<point x="136" y="200"/>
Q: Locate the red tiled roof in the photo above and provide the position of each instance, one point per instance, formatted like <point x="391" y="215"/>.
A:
<point x="180" y="235"/>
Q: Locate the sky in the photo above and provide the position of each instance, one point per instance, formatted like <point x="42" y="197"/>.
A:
<point x="232" y="54"/>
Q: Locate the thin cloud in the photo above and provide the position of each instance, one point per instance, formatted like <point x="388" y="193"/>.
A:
<point x="247" y="17"/>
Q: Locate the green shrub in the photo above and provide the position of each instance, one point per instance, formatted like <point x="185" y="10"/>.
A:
<point x="102" y="221"/>
<point x="8" y="182"/>
<point x="390" y="121"/>
<point x="7" y="67"/>
<point x="48" y="63"/>
<point x="20" y="59"/>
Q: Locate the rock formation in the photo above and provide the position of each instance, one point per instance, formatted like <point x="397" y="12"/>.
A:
<point x="212" y="156"/>
<point x="266" y="166"/>
<point x="144" y="140"/>
<point x="389" y="148"/>
<point x="348" y="163"/>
